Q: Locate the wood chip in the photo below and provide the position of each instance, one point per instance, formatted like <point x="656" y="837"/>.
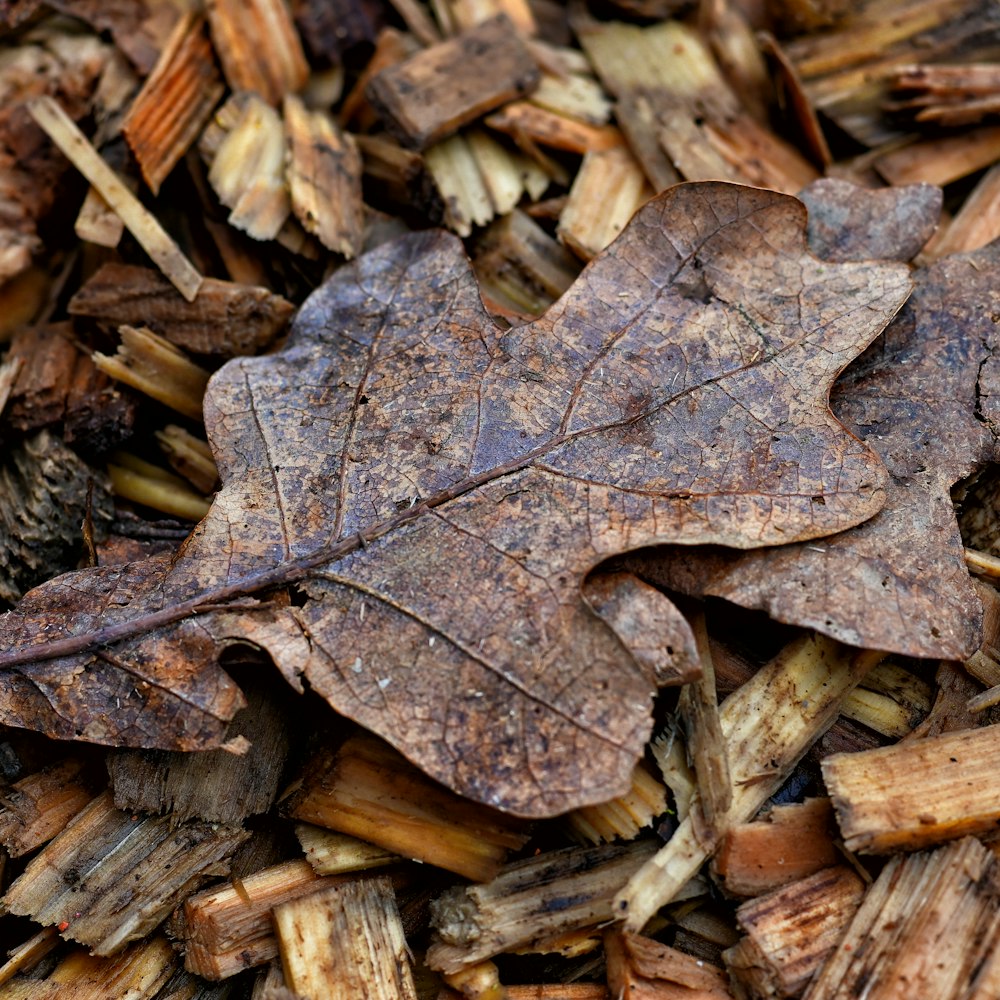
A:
<point x="185" y="81"/>
<point x="918" y="793"/>
<point x="111" y="877"/>
<point x="258" y="47"/>
<point x="151" y="236"/>
<point x="435" y="92"/>
<point x="324" y="178"/>
<point x="224" y="319"/>
<point x="345" y="942"/>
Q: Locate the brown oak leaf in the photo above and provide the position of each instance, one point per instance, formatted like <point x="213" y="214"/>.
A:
<point x="924" y="397"/>
<point x="436" y="490"/>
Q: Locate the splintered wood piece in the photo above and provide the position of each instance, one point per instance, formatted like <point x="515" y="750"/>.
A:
<point x="975" y="224"/>
<point x="215" y="785"/>
<point x="28" y="954"/>
<point x="258" y="47"/>
<point x="623" y="817"/>
<point x="150" y="363"/>
<point x="640" y="968"/>
<point x="949" y="96"/>
<point x="142" y="482"/>
<point x="698" y="709"/>
<point x="530" y="901"/>
<point x="917" y="793"/>
<point x="546" y="991"/>
<point x="547" y="127"/>
<point x="139" y="221"/>
<point x="175" y="102"/>
<point x="140" y="972"/>
<point x="941" y="160"/>
<point x="574" y="95"/>
<point x="505" y="173"/>
<point x="225" y="319"/>
<point x="463" y="193"/>
<point x="45" y="495"/>
<point x="369" y="790"/>
<point x="769" y="723"/>
<point x="36" y="808"/>
<point x="332" y="853"/>
<point x="607" y="191"/>
<point x="345" y="942"/>
<point x="891" y="700"/>
<point x="670" y="753"/>
<point x="520" y="268"/>
<point x="247" y="149"/>
<point x="435" y="92"/>
<point x="790" y="932"/>
<point x="229" y="927"/>
<point x="923" y="929"/>
<point x="190" y="457"/>
<point x="324" y="178"/>
<point x="111" y="877"/>
<point x="791" y="842"/>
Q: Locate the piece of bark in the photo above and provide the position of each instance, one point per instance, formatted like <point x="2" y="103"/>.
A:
<point x="246" y="149"/>
<point x="917" y="793"/>
<point x="139" y="221"/>
<point x="46" y="492"/>
<point x="529" y="901"/>
<point x="921" y="931"/>
<point x="229" y="928"/>
<point x="435" y="92"/>
<point x="139" y="972"/>
<point x="48" y="359"/>
<point x="790" y="843"/>
<point x="258" y="47"/>
<point x="36" y="808"/>
<point x="623" y="817"/>
<point x="792" y="931"/>
<point x="639" y="968"/>
<point x="332" y="853"/>
<point x="324" y="178"/>
<point x="186" y="81"/>
<point x="218" y="786"/>
<point x="111" y="877"/>
<point x="152" y="365"/>
<point x="769" y="723"/>
<point x="369" y="790"/>
<point x="521" y="270"/>
<point x="608" y="189"/>
<point x="225" y="319"/>
<point x="345" y="942"/>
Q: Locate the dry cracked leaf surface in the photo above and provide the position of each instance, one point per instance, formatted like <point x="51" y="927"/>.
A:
<point x="436" y="490"/>
<point x="923" y="396"/>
